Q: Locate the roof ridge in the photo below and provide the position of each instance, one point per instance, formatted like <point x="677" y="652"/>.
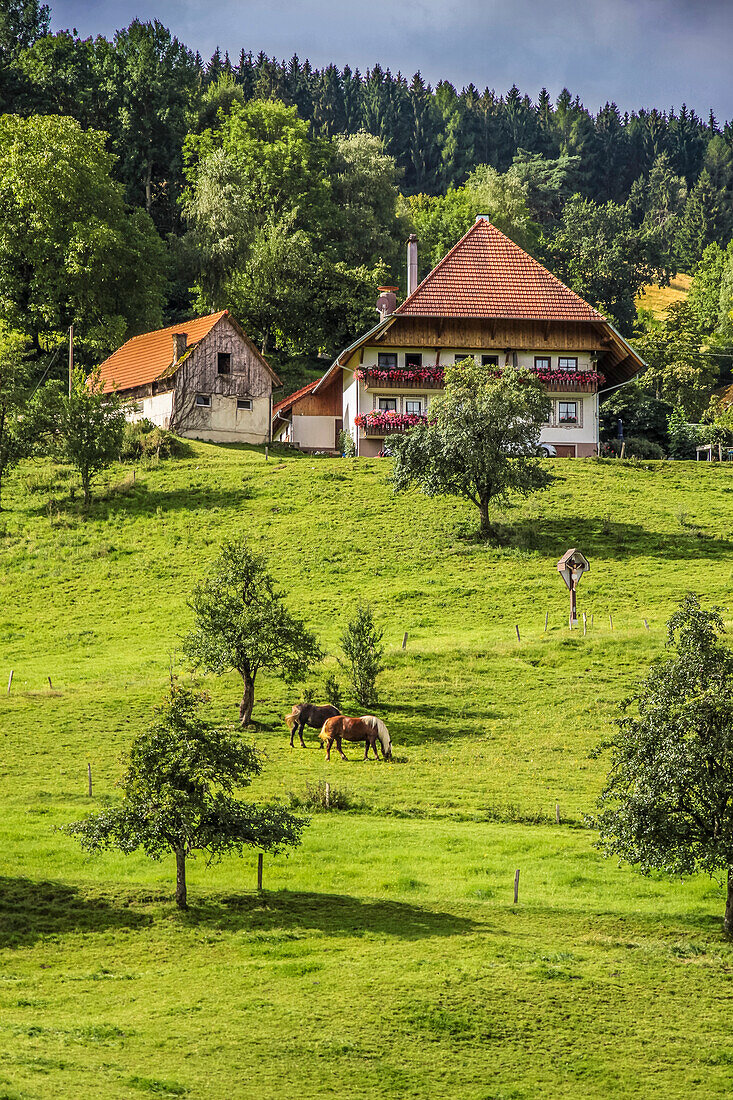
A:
<point x="177" y="327"/>
<point x="438" y="265"/>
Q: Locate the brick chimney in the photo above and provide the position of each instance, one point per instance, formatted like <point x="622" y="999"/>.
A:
<point x="180" y="341"/>
<point x="412" y="279"/>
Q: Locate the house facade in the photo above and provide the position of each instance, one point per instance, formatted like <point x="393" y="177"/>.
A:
<point x="204" y="379"/>
<point x="486" y="299"/>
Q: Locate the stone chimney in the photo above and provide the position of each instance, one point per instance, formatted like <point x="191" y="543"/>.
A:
<point x="387" y="301"/>
<point x="412" y="279"/>
<point x="180" y="341"/>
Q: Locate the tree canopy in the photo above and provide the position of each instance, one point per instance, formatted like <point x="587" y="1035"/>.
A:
<point x="667" y="804"/>
<point x="480" y="441"/>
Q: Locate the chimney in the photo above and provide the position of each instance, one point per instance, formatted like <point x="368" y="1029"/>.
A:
<point x="387" y="301"/>
<point x="179" y="346"/>
<point x="411" y="264"/>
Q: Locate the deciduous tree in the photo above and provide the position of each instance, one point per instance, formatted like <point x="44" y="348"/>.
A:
<point x="241" y="623"/>
<point x="667" y="803"/>
<point x="88" y="427"/>
<point x="480" y="441"/>
<point x="178" y="794"/>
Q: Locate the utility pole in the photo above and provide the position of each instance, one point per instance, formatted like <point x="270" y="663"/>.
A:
<point x="71" y="355"/>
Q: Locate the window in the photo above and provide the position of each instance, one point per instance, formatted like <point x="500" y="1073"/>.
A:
<point x="223" y="362"/>
<point x="413" y="359"/>
<point x="461" y="355"/>
<point x="388" y="404"/>
<point x="413" y="408"/>
<point x="567" y="412"/>
<point x="489" y="360"/>
<point x="542" y="362"/>
<point x="387" y="360"/>
<point x="564" y="363"/>
<point x="244" y="404"/>
<point x="203" y="400"/>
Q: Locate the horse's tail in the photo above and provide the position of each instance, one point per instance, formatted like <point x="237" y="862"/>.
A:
<point x="325" y="735"/>
<point x="382" y="733"/>
<point x="290" y="720"/>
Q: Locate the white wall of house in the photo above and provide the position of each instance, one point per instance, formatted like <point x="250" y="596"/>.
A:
<point x="583" y="434"/>
<point x="157" y="409"/>
<point x="223" y="422"/>
<point x="314" y="432"/>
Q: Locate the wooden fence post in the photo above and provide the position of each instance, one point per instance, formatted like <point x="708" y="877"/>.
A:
<point x="547" y="614"/>
<point x="49" y="683"/>
<point x="267" y="454"/>
<point x="259" y="872"/>
<point x="585" y="624"/>
<point x="517" y="630"/>
<point x="646" y="624"/>
<point x="516" y="887"/>
<point x="557" y="813"/>
<point x="89" y="778"/>
<point x="404" y="640"/>
<point x="610" y="619"/>
<point x="10" y="681"/>
<point x="328" y="796"/>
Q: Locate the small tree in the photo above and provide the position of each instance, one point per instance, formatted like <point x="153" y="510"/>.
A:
<point x="178" y="794"/>
<point x="668" y="800"/>
<point x="90" y="427"/>
<point x="480" y="441"/>
<point x="362" y="647"/>
<point x="241" y="623"/>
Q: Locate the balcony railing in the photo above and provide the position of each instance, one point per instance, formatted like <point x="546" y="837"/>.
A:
<point x="387" y="423"/>
<point x="432" y="378"/>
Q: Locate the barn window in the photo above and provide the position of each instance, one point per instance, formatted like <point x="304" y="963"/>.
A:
<point x="244" y="404"/>
<point x="567" y="412"/>
<point x="388" y="404"/>
<point x="567" y="364"/>
<point x="387" y="359"/>
<point x="489" y="360"/>
<point x="413" y="359"/>
<point x="223" y="362"/>
<point x="542" y="362"/>
<point x="203" y="400"/>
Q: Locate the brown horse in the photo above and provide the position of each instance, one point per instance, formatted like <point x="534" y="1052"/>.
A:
<point x="308" y="714"/>
<point x="367" y="728"/>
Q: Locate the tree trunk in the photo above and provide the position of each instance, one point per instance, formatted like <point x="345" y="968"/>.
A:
<point x="728" y="921"/>
<point x="86" y="486"/>
<point x="248" y="699"/>
<point x="181" y="898"/>
<point x="485" y="525"/>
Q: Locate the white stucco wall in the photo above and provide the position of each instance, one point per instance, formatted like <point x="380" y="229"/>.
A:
<point x="157" y="409"/>
<point x="583" y="435"/>
<point x="224" y="423"/>
<point x="314" y="432"/>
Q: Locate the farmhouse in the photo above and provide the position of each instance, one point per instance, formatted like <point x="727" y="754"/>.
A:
<point x="486" y="298"/>
<point x="202" y="378"/>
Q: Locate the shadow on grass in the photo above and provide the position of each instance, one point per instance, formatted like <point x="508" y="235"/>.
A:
<point x="31" y="911"/>
<point x="329" y="913"/>
<point x="607" y="538"/>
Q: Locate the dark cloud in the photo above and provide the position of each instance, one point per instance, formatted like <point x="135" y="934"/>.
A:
<point x="636" y="52"/>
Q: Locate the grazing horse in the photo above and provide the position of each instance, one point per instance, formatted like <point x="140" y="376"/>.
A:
<point x="308" y="714"/>
<point x="367" y="728"/>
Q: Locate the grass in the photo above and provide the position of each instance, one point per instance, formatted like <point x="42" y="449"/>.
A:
<point x="385" y="958"/>
<point x="657" y="299"/>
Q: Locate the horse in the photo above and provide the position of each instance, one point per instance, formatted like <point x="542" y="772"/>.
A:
<point x="367" y="728"/>
<point x="308" y="714"/>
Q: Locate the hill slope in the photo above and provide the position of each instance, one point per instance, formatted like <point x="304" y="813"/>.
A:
<point x="386" y="958"/>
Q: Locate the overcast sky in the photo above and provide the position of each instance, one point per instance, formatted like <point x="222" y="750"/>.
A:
<point x="637" y="52"/>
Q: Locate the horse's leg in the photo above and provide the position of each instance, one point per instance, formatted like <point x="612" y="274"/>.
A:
<point x="328" y="748"/>
<point x="301" y="727"/>
<point x="375" y="742"/>
<point x="338" y="746"/>
<point x="292" y="735"/>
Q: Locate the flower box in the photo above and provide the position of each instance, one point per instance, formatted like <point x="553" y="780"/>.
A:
<point x="386" y="423"/>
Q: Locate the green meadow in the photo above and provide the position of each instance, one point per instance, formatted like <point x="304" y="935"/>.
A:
<point x="385" y="957"/>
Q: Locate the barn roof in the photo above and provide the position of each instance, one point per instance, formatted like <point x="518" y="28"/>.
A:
<point x="288" y="402"/>
<point x="487" y="275"/>
<point x="143" y="359"/>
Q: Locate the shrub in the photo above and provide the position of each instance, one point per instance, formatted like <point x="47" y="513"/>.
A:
<point x="637" y="446"/>
<point x="143" y="439"/>
<point x="347" y="445"/>
<point x="313" y="799"/>
<point x="361" y="643"/>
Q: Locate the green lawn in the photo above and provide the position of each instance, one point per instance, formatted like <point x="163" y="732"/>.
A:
<point x="385" y="958"/>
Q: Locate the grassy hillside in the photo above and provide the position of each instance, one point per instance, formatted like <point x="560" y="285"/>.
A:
<point x="657" y="299"/>
<point x="385" y="958"/>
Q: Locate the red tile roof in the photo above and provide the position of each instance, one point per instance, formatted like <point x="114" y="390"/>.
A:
<point x="144" y="358"/>
<point x="288" y="402"/>
<point x="488" y="275"/>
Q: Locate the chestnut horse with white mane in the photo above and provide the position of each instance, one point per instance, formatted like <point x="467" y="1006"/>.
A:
<point x="367" y="728"/>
